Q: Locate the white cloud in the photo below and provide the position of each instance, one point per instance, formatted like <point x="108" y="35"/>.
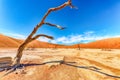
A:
<point x="44" y="39"/>
<point x="18" y="36"/>
<point x="81" y="38"/>
<point x="89" y="32"/>
<point x="14" y="35"/>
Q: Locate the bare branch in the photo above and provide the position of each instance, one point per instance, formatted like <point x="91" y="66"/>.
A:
<point x="71" y="5"/>
<point x="68" y="3"/>
<point x="41" y="35"/>
<point x="54" y="25"/>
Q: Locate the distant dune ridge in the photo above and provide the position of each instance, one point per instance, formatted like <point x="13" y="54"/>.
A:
<point x="9" y="42"/>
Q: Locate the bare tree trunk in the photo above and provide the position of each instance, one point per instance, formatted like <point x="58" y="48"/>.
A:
<point x="31" y="37"/>
<point x="19" y="54"/>
<point x="79" y="46"/>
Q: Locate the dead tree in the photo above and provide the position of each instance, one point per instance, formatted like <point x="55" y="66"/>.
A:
<point x="32" y="36"/>
<point x="55" y="46"/>
<point x="79" y="46"/>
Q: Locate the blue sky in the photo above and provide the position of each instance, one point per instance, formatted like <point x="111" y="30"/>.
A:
<point x="93" y="20"/>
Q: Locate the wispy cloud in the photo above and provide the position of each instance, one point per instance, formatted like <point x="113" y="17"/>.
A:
<point x="44" y="39"/>
<point x="16" y="35"/>
<point x="81" y="38"/>
<point x="12" y="34"/>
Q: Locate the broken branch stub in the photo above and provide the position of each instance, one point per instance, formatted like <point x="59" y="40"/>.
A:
<point x="54" y="25"/>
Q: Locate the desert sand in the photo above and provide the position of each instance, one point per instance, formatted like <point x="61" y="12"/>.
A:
<point x="35" y="68"/>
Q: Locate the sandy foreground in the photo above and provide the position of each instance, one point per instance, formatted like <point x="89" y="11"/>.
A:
<point x="43" y="64"/>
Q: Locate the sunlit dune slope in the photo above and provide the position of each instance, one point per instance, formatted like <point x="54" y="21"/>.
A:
<point x="9" y="42"/>
<point x="6" y="41"/>
<point x="110" y="43"/>
<point x="105" y="43"/>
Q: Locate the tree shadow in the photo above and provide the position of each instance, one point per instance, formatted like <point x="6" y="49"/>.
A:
<point x="72" y="64"/>
<point x="92" y="68"/>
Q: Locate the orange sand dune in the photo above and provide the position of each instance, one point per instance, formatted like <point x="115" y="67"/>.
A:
<point x="6" y="42"/>
<point x="111" y="43"/>
<point x="9" y="42"/>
